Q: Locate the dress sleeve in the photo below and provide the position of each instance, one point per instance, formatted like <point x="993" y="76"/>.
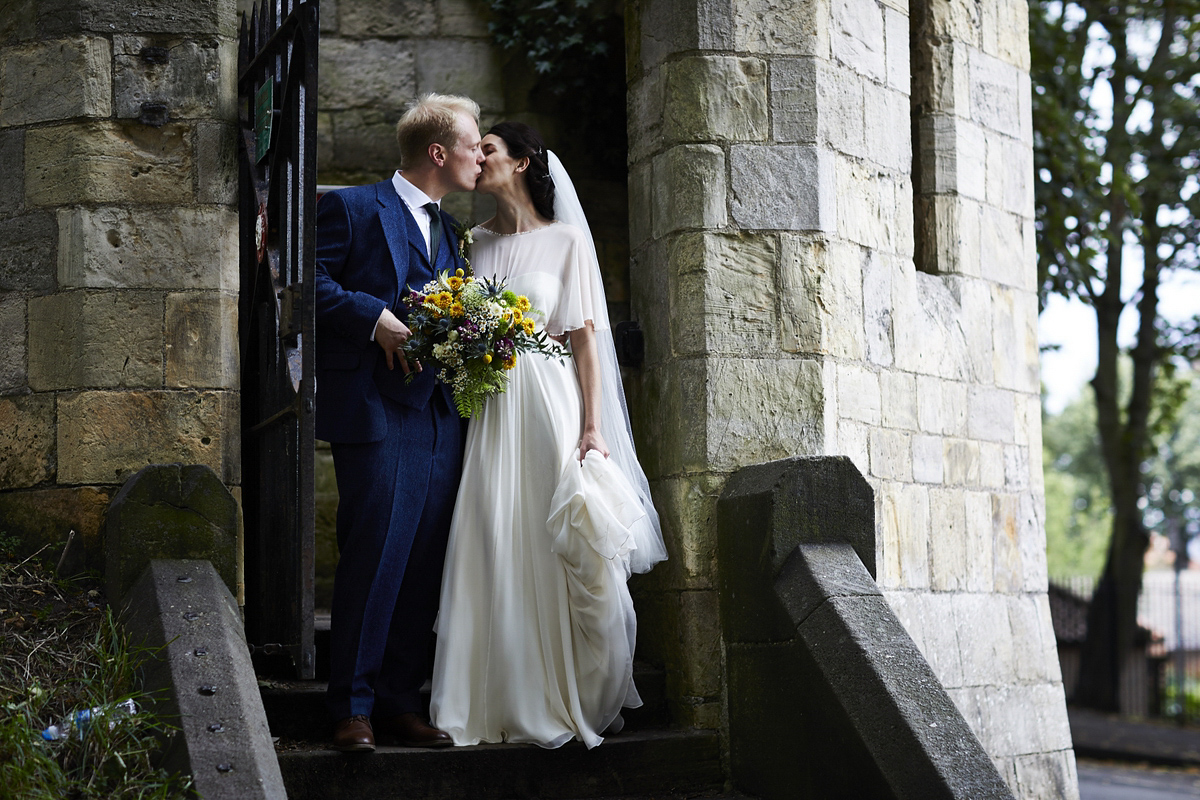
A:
<point x="582" y="291"/>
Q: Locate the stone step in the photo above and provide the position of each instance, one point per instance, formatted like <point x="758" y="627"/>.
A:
<point x="660" y="764"/>
<point x="296" y="709"/>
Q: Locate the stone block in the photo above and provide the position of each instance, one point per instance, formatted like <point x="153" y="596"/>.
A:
<point x="646" y="102"/>
<point x="898" y="392"/>
<point x="995" y="94"/>
<point x="761" y="409"/>
<point x="673" y="404"/>
<point x="460" y="18"/>
<point x="852" y="442"/>
<point x="1014" y="339"/>
<point x="927" y="459"/>
<point x="1010" y="175"/>
<point x="143" y="16"/>
<point x="1029" y="652"/>
<point x="391" y="18"/>
<point x="903" y="514"/>
<point x="151" y="248"/>
<point x="12" y="175"/>
<point x="957" y="20"/>
<point x="103" y="436"/>
<point x="106" y="162"/>
<point x="985" y="641"/>
<point x="868" y="211"/>
<point x="1051" y="666"/>
<point x="1006" y="543"/>
<point x="364" y="139"/>
<point x="886" y="139"/>
<point x="700" y="630"/>
<point x="877" y="279"/>
<point x="28" y="256"/>
<point x="466" y="67"/>
<point x="947" y="540"/>
<point x="662" y="28"/>
<point x="937" y="409"/>
<point x="169" y="511"/>
<point x="1046" y="775"/>
<point x="858" y="394"/>
<point x="1025" y="104"/>
<point x="107" y="339"/>
<point x="992" y="414"/>
<point x="991" y="465"/>
<point x="689" y="189"/>
<point x="324" y="141"/>
<point x="12" y="333"/>
<point x="773" y="27"/>
<point x="1032" y="509"/>
<point x="650" y="301"/>
<point x="723" y="293"/>
<point x="1005" y="32"/>
<point x="898" y="55"/>
<point x="688" y="508"/>
<point x="41" y="517"/>
<point x="782" y="187"/>
<point x="841" y="116"/>
<point x="58" y="79"/>
<point x="930" y="335"/>
<point x="795" y="109"/>
<point x="980" y="575"/>
<point x="961" y="459"/>
<point x="216" y="163"/>
<point x="19" y="22"/>
<point x="857" y="37"/>
<point x="201" y="340"/>
<point x="716" y="98"/>
<point x="373" y="74"/>
<point x="196" y="81"/>
<point x="941" y="637"/>
<point x="328" y="14"/>
<point x="26" y="440"/>
<point x="891" y="454"/>
<point x="820" y="296"/>
<point x="641" y="206"/>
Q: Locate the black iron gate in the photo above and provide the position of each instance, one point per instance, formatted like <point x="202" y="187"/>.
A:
<point x="277" y="92"/>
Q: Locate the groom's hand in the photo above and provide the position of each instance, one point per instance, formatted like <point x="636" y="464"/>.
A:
<point x="391" y="334"/>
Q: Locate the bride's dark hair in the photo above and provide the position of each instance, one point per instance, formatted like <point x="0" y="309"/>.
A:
<point x="525" y="142"/>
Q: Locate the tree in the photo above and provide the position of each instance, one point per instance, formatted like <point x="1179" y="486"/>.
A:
<point x="1113" y="179"/>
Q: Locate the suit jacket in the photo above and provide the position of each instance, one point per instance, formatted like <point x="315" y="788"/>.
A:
<point x="368" y="249"/>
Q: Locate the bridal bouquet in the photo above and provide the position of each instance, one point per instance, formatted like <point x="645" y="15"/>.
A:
<point x="471" y="331"/>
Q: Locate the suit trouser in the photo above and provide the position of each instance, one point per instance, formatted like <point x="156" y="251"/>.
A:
<point x="396" y="499"/>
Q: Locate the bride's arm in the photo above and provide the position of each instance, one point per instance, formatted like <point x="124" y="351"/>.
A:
<point x="587" y="364"/>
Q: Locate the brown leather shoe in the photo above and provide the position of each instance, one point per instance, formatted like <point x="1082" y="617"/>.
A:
<point x="354" y="735"/>
<point x="409" y="730"/>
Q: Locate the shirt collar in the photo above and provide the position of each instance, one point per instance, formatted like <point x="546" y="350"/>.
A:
<point x="411" y="195"/>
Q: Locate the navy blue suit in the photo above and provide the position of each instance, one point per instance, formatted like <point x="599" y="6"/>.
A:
<point x="397" y="452"/>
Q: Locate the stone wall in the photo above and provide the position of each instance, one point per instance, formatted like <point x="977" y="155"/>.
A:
<point x="118" y="262"/>
<point x="773" y="231"/>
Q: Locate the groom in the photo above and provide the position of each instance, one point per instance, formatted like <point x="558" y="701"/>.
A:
<point x="397" y="444"/>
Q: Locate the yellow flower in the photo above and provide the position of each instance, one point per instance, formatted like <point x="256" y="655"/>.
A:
<point x="510" y="362"/>
<point x="456" y="309"/>
<point x="487" y="358"/>
<point x="458" y="273"/>
<point x="455" y="283"/>
<point x="527" y="324"/>
<point x="516" y="315"/>
<point x="522" y="302"/>
<point x="443" y="299"/>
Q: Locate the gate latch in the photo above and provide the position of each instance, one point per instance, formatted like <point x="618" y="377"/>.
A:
<point x="291" y="306"/>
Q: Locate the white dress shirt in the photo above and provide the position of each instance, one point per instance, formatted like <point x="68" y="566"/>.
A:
<point x="415" y="199"/>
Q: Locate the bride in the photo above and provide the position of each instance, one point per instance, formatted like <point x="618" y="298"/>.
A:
<point x="536" y="628"/>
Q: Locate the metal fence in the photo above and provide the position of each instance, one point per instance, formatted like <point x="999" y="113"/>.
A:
<point x="1161" y="677"/>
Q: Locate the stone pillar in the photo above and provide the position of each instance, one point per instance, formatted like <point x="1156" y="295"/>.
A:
<point x="118" y="279"/>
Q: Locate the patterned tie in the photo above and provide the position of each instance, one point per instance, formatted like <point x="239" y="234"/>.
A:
<point x="435" y="231"/>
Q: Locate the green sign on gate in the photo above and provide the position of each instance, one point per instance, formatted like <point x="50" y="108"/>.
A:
<point x="264" y="107"/>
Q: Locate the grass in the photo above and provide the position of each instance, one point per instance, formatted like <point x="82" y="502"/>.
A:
<point x="62" y="651"/>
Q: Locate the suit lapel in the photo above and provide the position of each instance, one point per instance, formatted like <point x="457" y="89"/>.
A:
<point x="392" y="216"/>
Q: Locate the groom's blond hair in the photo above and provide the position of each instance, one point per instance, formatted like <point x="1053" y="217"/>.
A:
<point x="431" y="118"/>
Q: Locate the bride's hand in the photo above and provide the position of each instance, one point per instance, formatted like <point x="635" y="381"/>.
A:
<point x="592" y="440"/>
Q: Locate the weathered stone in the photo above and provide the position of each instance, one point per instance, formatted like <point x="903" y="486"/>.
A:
<point x="28" y="256"/>
<point x="103" y="436"/>
<point x="460" y="18"/>
<point x="903" y="514"/>
<point x="328" y="15"/>
<point x="162" y="248"/>
<point x="414" y="18"/>
<point x="877" y="278"/>
<point x="641" y="191"/>
<point x="995" y="94"/>
<point x="991" y="465"/>
<point x="700" y="630"/>
<point x="857" y="37"/>
<point x="665" y="27"/>
<point x="689" y="189"/>
<point x="26" y="440"/>
<point x="898" y="391"/>
<point x="673" y="401"/>
<point x="1046" y="775"/>
<point x="947" y="540"/>
<point x="103" y="162"/>
<point x="194" y="82"/>
<point x="12" y="333"/>
<point x="1005" y="29"/>
<point x="858" y="394"/>
<point x="12" y="170"/>
<point x="372" y="74"/>
<point x="788" y="187"/>
<point x="716" y="98"/>
<point x="324" y="141"/>
<point x="820" y="293"/>
<point x="956" y="20"/>
<point x="454" y="66"/>
<point x="852" y="442"/>
<point x="105" y="339"/>
<point x="985" y="640"/>
<point x="647" y="102"/>
<point x="980" y="575"/>
<point x="41" y="517"/>
<point x="941" y="406"/>
<point x="141" y="16"/>
<point x="216" y="163"/>
<point x="870" y="206"/>
<point x="1032" y="532"/>
<point x="56" y="80"/>
<point x="202" y="340"/>
<point x="1028" y="649"/>
<point x="723" y="293"/>
<point x="19" y="21"/>
<point x="774" y="27"/>
<point x="886" y="139"/>
<point x="961" y="459"/>
<point x="899" y="51"/>
<point x="794" y="105"/>
<point x="1006" y="543"/>
<point x="891" y="454"/>
<point x="941" y="637"/>
<point x="927" y="459"/>
<point x="841" y="110"/>
<point x="991" y="414"/>
<point x="364" y="139"/>
<point x="760" y="410"/>
<point x="688" y="507"/>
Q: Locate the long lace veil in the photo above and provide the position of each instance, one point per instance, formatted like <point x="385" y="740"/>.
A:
<point x="614" y="416"/>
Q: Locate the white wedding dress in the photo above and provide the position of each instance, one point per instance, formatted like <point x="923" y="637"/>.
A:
<point x="536" y="626"/>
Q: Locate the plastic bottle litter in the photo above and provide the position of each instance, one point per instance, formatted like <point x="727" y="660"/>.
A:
<point x="78" y="722"/>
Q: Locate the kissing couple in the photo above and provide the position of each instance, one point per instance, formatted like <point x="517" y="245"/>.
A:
<point x="511" y="537"/>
